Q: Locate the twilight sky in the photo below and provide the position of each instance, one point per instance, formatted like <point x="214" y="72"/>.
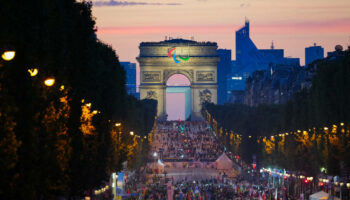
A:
<point x="291" y="24"/>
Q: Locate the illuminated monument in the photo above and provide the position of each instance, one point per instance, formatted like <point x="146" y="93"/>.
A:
<point x="195" y="60"/>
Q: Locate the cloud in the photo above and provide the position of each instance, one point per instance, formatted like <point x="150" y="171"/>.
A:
<point x="287" y="27"/>
<point x="244" y="5"/>
<point x="130" y="3"/>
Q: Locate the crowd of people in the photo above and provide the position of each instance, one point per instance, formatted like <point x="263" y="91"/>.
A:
<point x="213" y="190"/>
<point x="185" y="140"/>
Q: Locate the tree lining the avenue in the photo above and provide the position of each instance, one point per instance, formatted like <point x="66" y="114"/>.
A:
<point x="63" y="139"/>
<point x="310" y="132"/>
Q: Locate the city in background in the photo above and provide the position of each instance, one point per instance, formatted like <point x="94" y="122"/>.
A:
<point x="194" y="99"/>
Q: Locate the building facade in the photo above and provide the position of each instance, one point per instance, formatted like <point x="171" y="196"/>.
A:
<point x="313" y="53"/>
<point x="224" y="68"/>
<point x="250" y="59"/>
<point x="130" y="69"/>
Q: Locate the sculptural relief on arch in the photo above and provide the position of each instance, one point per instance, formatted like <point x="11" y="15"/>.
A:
<point x="195" y="60"/>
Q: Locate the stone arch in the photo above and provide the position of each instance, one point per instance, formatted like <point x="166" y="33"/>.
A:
<point x="168" y="73"/>
<point x="157" y="66"/>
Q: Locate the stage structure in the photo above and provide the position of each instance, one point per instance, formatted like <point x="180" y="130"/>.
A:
<point x="196" y="60"/>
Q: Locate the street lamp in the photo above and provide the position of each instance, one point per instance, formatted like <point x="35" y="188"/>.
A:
<point x="49" y="82"/>
<point x="8" y="55"/>
<point x="118" y="124"/>
<point x="33" y="72"/>
<point x="131" y="133"/>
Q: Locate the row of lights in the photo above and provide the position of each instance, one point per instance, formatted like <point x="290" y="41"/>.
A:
<point x="292" y="133"/>
<point x="10" y="54"/>
<point x="131" y="132"/>
<point x="285" y="174"/>
<point x="306" y="179"/>
<point x="101" y="190"/>
<point x="286" y="134"/>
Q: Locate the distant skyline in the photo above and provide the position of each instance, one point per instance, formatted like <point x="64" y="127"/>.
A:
<point x="291" y="24"/>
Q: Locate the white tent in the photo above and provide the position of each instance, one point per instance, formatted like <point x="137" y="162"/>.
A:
<point x="223" y="162"/>
<point x="319" y="196"/>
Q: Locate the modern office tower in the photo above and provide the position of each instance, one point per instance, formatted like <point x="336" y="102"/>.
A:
<point x="313" y="53"/>
<point x="130" y="69"/>
<point x="224" y="69"/>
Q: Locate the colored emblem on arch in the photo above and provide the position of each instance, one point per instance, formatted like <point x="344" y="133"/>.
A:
<point x="177" y="59"/>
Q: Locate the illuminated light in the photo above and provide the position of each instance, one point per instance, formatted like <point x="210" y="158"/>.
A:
<point x="131" y="133"/>
<point x="175" y="60"/>
<point x="33" y="72"/>
<point x="250" y="136"/>
<point x="83" y="100"/>
<point x="271" y="137"/>
<point x="169" y="53"/>
<point x="62" y="88"/>
<point x="299" y="131"/>
<point x="88" y="105"/>
<point x="145" y="137"/>
<point x="155" y="154"/>
<point x="305" y="133"/>
<point x="348" y="185"/>
<point x="95" y="112"/>
<point x="321" y="184"/>
<point x="237" y="157"/>
<point x="49" y="82"/>
<point x="118" y="124"/>
<point x="184" y="59"/>
<point x="341" y="184"/>
<point x="174" y="56"/>
<point x="8" y="55"/>
<point x="341" y="124"/>
<point x="286" y="133"/>
<point x="237" y="78"/>
<point x="325" y="128"/>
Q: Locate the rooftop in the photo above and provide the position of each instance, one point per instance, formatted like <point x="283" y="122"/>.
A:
<point x="178" y="41"/>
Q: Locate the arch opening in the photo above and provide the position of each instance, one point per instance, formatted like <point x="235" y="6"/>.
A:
<point x="178" y="97"/>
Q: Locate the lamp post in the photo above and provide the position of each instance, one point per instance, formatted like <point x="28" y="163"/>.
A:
<point x="49" y="81"/>
<point x="8" y="54"/>
<point x="154" y="163"/>
<point x="340" y="186"/>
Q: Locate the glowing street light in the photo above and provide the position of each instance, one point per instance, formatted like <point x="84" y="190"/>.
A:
<point x="8" y="55"/>
<point x="49" y="82"/>
<point x="131" y="133"/>
<point x="33" y="72"/>
<point x="118" y="124"/>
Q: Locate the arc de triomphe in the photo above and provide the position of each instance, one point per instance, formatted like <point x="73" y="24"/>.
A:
<point x="195" y="60"/>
